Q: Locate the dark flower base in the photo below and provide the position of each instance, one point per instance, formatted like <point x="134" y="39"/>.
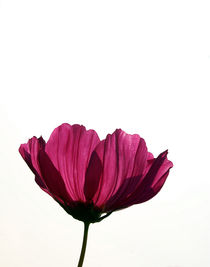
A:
<point x="84" y="212"/>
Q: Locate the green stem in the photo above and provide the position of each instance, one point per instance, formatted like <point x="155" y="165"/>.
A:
<point x="84" y="243"/>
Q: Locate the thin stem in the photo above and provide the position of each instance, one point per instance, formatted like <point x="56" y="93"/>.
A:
<point x="84" y="243"/>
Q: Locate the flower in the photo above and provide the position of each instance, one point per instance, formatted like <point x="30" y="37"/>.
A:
<point x="90" y="178"/>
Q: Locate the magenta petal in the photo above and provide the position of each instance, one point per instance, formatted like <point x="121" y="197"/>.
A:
<point x="40" y="182"/>
<point x="127" y="187"/>
<point x="25" y="153"/>
<point x="30" y="151"/>
<point x="122" y="156"/>
<point x="92" y="177"/>
<point x="155" y="189"/>
<point x="159" y="167"/>
<point x="152" y="182"/>
<point x="53" y="179"/>
<point x="70" y="149"/>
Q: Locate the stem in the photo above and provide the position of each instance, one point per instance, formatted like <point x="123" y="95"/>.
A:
<point x="84" y="243"/>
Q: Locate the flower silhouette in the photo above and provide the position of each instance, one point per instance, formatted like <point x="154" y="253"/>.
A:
<point x="90" y="178"/>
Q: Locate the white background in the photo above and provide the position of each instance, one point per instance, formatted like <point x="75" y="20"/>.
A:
<point x="142" y="66"/>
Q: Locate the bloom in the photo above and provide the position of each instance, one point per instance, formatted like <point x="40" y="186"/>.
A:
<point x="89" y="177"/>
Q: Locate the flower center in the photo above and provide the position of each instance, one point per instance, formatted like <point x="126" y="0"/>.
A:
<point x="85" y="212"/>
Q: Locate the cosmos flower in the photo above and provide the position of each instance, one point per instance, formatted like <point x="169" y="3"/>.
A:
<point x="90" y="178"/>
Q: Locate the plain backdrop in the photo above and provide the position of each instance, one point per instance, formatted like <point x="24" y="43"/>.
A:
<point x="142" y="66"/>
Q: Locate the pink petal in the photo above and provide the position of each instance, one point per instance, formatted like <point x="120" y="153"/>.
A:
<point x="159" y="167"/>
<point x="122" y="156"/>
<point x="92" y="177"/>
<point x="127" y="187"/>
<point x="29" y="152"/>
<point x="151" y="183"/>
<point x="52" y="179"/>
<point x="155" y="189"/>
<point x="70" y="149"/>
